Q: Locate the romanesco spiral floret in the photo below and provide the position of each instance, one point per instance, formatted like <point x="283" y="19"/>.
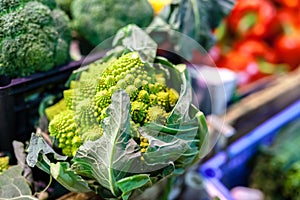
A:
<point x="144" y="143"/>
<point x="93" y="133"/>
<point x="143" y="96"/>
<point x="138" y="112"/>
<point x="153" y="100"/>
<point x="4" y="163"/>
<point x="55" y="109"/>
<point x="156" y="114"/>
<point x="173" y="96"/>
<point x="163" y="99"/>
<point x="101" y="101"/>
<point x="137" y="83"/>
<point x="64" y="128"/>
<point x="85" y="89"/>
<point x="68" y="97"/>
<point x="132" y="91"/>
<point x="84" y="115"/>
<point x="156" y="87"/>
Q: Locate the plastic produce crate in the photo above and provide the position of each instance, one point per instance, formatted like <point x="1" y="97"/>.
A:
<point x="230" y="168"/>
<point x="20" y="99"/>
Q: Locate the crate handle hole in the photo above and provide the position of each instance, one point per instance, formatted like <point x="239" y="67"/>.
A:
<point x="4" y="80"/>
<point x="210" y="173"/>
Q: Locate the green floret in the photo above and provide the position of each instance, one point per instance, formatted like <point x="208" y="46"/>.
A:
<point x="68" y="97"/>
<point x="55" y="109"/>
<point x="92" y="134"/>
<point x="132" y="91"/>
<point x="114" y="75"/>
<point x="156" y="114"/>
<point x="84" y="115"/>
<point x="153" y="100"/>
<point x="173" y="96"/>
<point x="4" y="163"/>
<point x="163" y="99"/>
<point x="138" y="112"/>
<point x="33" y="37"/>
<point x="144" y="143"/>
<point x="143" y="96"/>
<point x="101" y="101"/>
<point x="64" y="128"/>
<point x="156" y="87"/>
<point x="97" y="20"/>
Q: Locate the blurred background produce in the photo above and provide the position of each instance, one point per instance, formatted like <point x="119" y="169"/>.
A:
<point x="98" y="20"/>
<point x="276" y="169"/>
<point x="259" y="38"/>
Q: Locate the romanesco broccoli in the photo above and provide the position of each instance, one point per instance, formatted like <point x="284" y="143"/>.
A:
<point x="55" y="109"/>
<point x="90" y="96"/>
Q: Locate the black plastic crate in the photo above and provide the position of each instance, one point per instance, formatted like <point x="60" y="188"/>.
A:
<point x="20" y="99"/>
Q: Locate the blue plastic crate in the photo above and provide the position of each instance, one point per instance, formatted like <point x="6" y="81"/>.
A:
<point x="230" y="168"/>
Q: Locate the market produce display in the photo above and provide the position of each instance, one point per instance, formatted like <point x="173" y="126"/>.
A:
<point x="277" y="168"/>
<point x="125" y="123"/>
<point x="35" y="36"/>
<point x="98" y="20"/>
<point x="259" y="38"/>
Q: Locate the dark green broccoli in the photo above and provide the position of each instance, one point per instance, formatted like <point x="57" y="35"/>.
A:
<point x="34" y="36"/>
<point x="276" y="168"/>
<point x="97" y="20"/>
<point x="65" y="5"/>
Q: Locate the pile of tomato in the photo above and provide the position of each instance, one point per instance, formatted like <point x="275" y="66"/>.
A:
<point x="259" y="38"/>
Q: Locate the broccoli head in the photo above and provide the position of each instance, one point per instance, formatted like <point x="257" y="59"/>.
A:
<point x="34" y="36"/>
<point x="97" y="20"/>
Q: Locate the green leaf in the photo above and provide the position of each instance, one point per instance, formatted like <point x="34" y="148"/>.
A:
<point x="109" y="158"/>
<point x="135" y="39"/>
<point x="62" y="172"/>
<point x="195" y="19"/>
<point x="180" y="144"/>
<point x="128" y="184"/>
<point x="13" y="185"/>
<point x="39" y="146"/>
<point x="180" y="113"/>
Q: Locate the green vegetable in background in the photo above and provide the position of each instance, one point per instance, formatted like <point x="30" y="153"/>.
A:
<point x="195" y="18"/>
<point x="65" y="5"/>
<point x="277" y="168"/>
<point x="132" y="111"/>
<point x="34" y="36"/>
<point x="97" y="20"/>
